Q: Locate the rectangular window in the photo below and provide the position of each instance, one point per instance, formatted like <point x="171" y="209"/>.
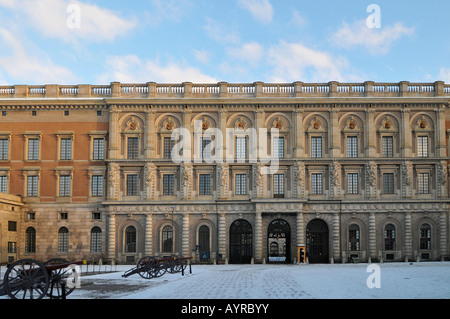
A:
<point x="168" y="184"/>
<point x="388" y="183"/>
<point x="241" y="147"/>
<point x="4" y="145"/>
<point x="3" y="184"/>
<point x="204" y="187"/>
<point x="278" y="147"/>
<point x="133" y="147"/>
<point x="132" y="185"/>
<point x="12" y="226"/>
<point x="423" y="183"/>
<point x="33" y="149"/>
<point x="316" y="184"/>
<point x="316" y="147"/>
<point x="206" y="147"/>
<point x="278" y="185"/>
<point x="352" y="183"/>
<point x="99" y="149"/>
<point x="66" y="149"/>
<point x="97" y="185"/>
<point x="32" y="186"/>
<point x="241" y="184"/>
<point x="12" y="247"/>
<point x="422" y="146"/>
<point x="64" y="185"/>
<point x="352" y="146"/>
<point x="169" y="143"/>
<point x="388" y="146"/>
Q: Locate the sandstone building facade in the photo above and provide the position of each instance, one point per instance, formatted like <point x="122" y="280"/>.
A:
<point x="362" y="171"/>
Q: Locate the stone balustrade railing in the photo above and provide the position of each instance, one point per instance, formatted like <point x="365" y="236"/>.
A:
<point x="229" y="90"/>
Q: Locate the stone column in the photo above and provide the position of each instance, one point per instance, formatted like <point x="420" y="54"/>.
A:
<point x="185" y="242"/>
<point x="408" y="236"/>
<point x="258" y="237"/>
<point x="149" y="235"/>
<point x="299" y="137"/>
<point x="336" y="236"/>
<point x="334" y="133"/>
<point x="150" y="134"/>
<point x="114" y="133"/>
<point x="370" y="135"/>
<point x="372" y="236"/>
<point x="443" y="218"/>
<point x="222" y="236"/>
<point x="406" y="134"/>
<point x="223" y="128"/>
<point x="441" y="147"/>
<point x="112" y="236"/>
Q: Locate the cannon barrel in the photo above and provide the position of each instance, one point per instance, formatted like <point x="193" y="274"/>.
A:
<point x="64" y="265"/>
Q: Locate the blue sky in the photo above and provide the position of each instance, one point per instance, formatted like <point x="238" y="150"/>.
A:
<point x="238" y="41"/>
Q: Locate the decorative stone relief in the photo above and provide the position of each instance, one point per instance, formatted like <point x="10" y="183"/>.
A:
<point x="442" y="179"/>
<point x="259" y="179"/>
<point x="150" y="181"/>
<point x="186" y="181"/>
<point x="335" y="179"/>
<point x="371" y="179"/>
<point x="300" y="179"/>
<point x="407" y="176"/>
<point x="223" y="172"/>
<point x="113" y="181"/>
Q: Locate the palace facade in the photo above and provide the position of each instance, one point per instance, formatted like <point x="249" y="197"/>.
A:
<point x="93" y="171"/>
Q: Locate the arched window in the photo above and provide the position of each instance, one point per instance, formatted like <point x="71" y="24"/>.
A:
<point x="425" y="237"/>
<point x="167" y="239"/>
<point x="203" y="238"/>
<point x="353" y="237"/>
<point x="389" y="237"/>
<point x="130" y="239"/>
<point x="96" y="240"/>
<point x="30" y="240"/>
<point x="63" y="240"/>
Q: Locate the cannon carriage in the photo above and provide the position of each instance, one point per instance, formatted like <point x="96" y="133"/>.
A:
<point x="151" y="267"/>
<point x="31" y="279"/>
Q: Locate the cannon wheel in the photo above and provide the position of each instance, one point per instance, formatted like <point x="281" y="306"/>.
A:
<point x="26" y="279"/>
<point x="146" y="265"/>
<point x="58" y="278"/>
<point x="175" y="265"/>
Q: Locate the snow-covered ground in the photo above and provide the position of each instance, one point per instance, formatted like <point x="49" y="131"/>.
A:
<point x="425" y="280"/>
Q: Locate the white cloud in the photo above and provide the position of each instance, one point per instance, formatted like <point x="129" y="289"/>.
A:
<point x="261" y="10"/>
<point x="172" y="10"/>
<point x="36" y="67"/>
<point x="71" y="21"/>
<point x="220" y="34"/>
<point x="249" y="53"/>
<point x="295" y="62"/>
<point x="376" y="40"/>
<point x="444" y="75"/>
<point x="202" y="56"/>
<point x="297" y="20"/>
<point x="131" y="69"/>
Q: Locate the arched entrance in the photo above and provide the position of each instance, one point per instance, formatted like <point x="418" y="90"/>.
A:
<point x="317" y="241"/>
<point x="241" y="242"/>
<point x="278" y="241"/>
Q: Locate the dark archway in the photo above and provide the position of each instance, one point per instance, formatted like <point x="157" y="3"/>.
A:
<point x="317" y="241"/>
<point x="241" y="247"/>
<point x="279" y="241"/>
